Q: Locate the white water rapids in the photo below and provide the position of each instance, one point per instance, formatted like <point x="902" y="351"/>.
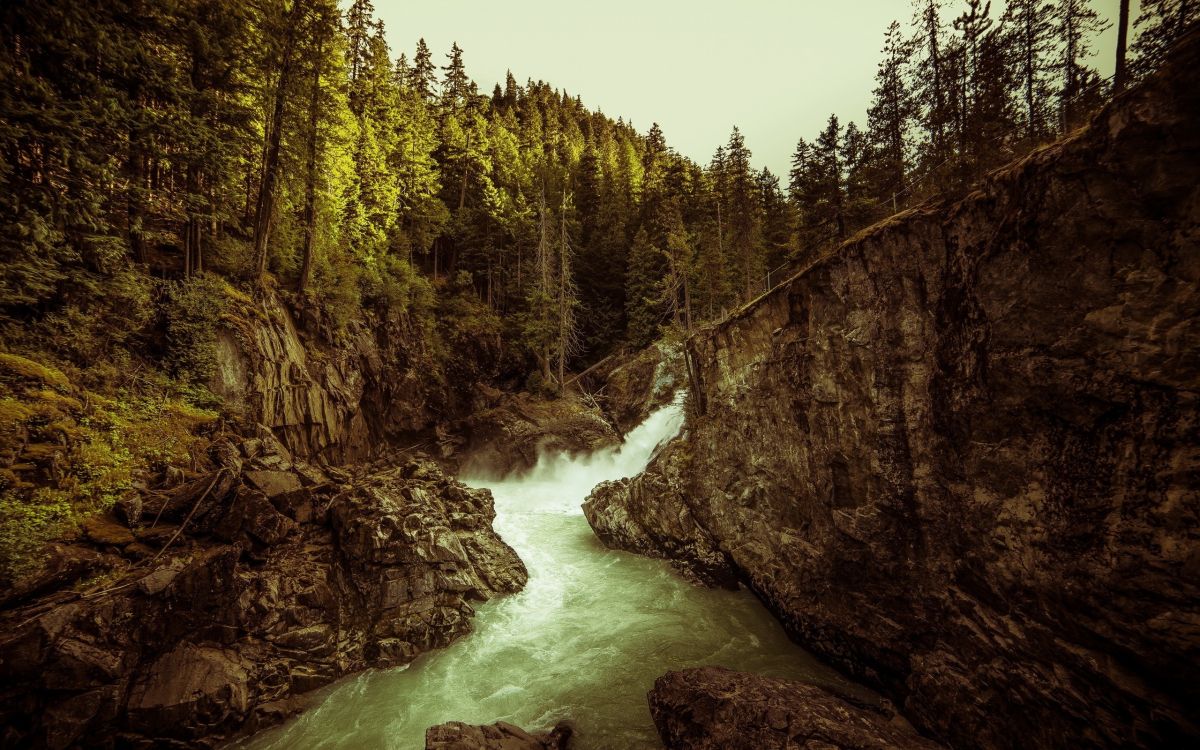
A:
<point x="584" y="640"/>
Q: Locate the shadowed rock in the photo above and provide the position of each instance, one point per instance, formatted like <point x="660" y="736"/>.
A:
<point x="456" y="735"/>
<point x="716" y="709"/>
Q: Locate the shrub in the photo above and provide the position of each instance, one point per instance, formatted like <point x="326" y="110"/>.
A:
<point x="192" y="309"/>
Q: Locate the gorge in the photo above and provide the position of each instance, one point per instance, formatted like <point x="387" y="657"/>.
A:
<point x="341" y="407"/>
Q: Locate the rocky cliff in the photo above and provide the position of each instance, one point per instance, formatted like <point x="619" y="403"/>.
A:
<point x="220" y="600"/>
<point x="333" y="396"/>
<point x="960" y="457"/>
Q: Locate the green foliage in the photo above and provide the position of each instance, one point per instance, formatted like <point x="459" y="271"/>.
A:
<point x="71" y="453"/>
<point x="192" y="309"/>
<point x="394" y="285"/>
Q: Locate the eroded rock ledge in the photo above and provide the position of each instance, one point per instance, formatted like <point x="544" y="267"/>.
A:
<point x="283" y="579"/>
<point x="958" y="457"/>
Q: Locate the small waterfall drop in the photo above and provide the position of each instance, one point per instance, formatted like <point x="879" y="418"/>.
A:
<point x="584" y="640"/>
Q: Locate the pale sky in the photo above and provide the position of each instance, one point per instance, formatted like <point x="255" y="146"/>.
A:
<point x="774" y="68"/>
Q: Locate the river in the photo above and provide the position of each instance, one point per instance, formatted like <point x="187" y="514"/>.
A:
<point x="584" y="640"/>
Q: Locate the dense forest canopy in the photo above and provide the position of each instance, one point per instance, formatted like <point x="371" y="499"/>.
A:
<point x="166" y="165"/>
<point x="150" y="147"/>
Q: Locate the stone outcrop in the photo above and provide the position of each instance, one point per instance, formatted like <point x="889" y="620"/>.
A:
<point x="455" y="735"/>
<point x="710" y="708"/>
<point x="640" y="383"/>
<point x="231" y="594"/>
<point x="958" y="456"/>
<point x="511" y="431"/>
<point x="334" y="396"/>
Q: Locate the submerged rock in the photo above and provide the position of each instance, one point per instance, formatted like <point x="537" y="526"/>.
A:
<point x="216" y="634"/>
<point x="957" y="457"/>
<point x="711" y="708"/>
<point x="456" y="735"/>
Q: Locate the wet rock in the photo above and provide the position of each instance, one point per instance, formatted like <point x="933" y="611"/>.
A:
<point x="334" y="396"/>
<point x="190" y="688"/>
<point x="456" y="735"/>
<point x="957" y="456"/>
<point x="511" y="434"/>
<point x="641" y="383"/>
<point x="717" y="709"/>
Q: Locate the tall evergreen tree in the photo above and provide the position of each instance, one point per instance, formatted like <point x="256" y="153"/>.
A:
<point x="1030" y="25"/>
<point x="1080" y="92"/>
<point x="423" y="75"/>
<point x="1161" y="24"/>
<point x="744" y="220"/>
<point x="891" y="116"/>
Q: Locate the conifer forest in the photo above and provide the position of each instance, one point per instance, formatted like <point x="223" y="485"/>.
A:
<point x="306" y="338"/>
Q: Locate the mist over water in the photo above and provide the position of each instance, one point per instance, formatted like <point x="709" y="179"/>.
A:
<point x="584" y="640"/>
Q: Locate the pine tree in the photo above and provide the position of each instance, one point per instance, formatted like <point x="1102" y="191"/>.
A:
<point x="643" y="284"/>
<point x="1161" y="24"/>
<point x="776" y="223"/>
<point x="1030" y="28"/>
<point x="264" y="213"/>
<point x="455" y="84"/>
<point x="890" y="117"/>
<point x="830" y="205"/>
<point x="931" y="83"/>
<point x="1080" y="93"/>
<point x="423" y="76"/>
<point x="744" y="220"/>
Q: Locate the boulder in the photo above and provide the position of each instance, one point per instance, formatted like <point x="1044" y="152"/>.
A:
<point x="248" y="608"/>
<point x="711" y="708"/>
<point x="456" y="735"/>
<point x="513" y="433"/>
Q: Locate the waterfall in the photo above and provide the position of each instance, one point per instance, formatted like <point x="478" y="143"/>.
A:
<point x="584" y="640"/>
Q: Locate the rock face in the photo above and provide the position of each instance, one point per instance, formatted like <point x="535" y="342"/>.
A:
<point x="499" y="736"/>
<point x="959" y="457"/>
<point x="716" y="709"/>
<point x="642" y="383"/>
<point x="513" y="430"/>
<point x="332" y="396"/>
<point x="281" y="580"/>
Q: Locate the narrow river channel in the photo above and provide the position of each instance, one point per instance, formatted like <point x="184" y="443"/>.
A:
<point x="584" y="640"/>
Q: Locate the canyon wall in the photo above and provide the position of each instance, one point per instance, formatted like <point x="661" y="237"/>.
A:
<point x="960" y="456"/>
<point x="336" y="397"/>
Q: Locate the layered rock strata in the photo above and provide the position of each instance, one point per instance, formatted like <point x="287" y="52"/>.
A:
<point x="960" y="456"/>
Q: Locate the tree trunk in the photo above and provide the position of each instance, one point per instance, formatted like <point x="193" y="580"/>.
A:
<point x="1122" y="38"/>
<point x="462" y="189"/>
<point x="562" y="295"/>
<point x="687" y="304"/>
<point x="264" y="212"/>
<point x="310" y="177"/>
<point x="136" y="206"/>
<point x="192" y="235"/>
